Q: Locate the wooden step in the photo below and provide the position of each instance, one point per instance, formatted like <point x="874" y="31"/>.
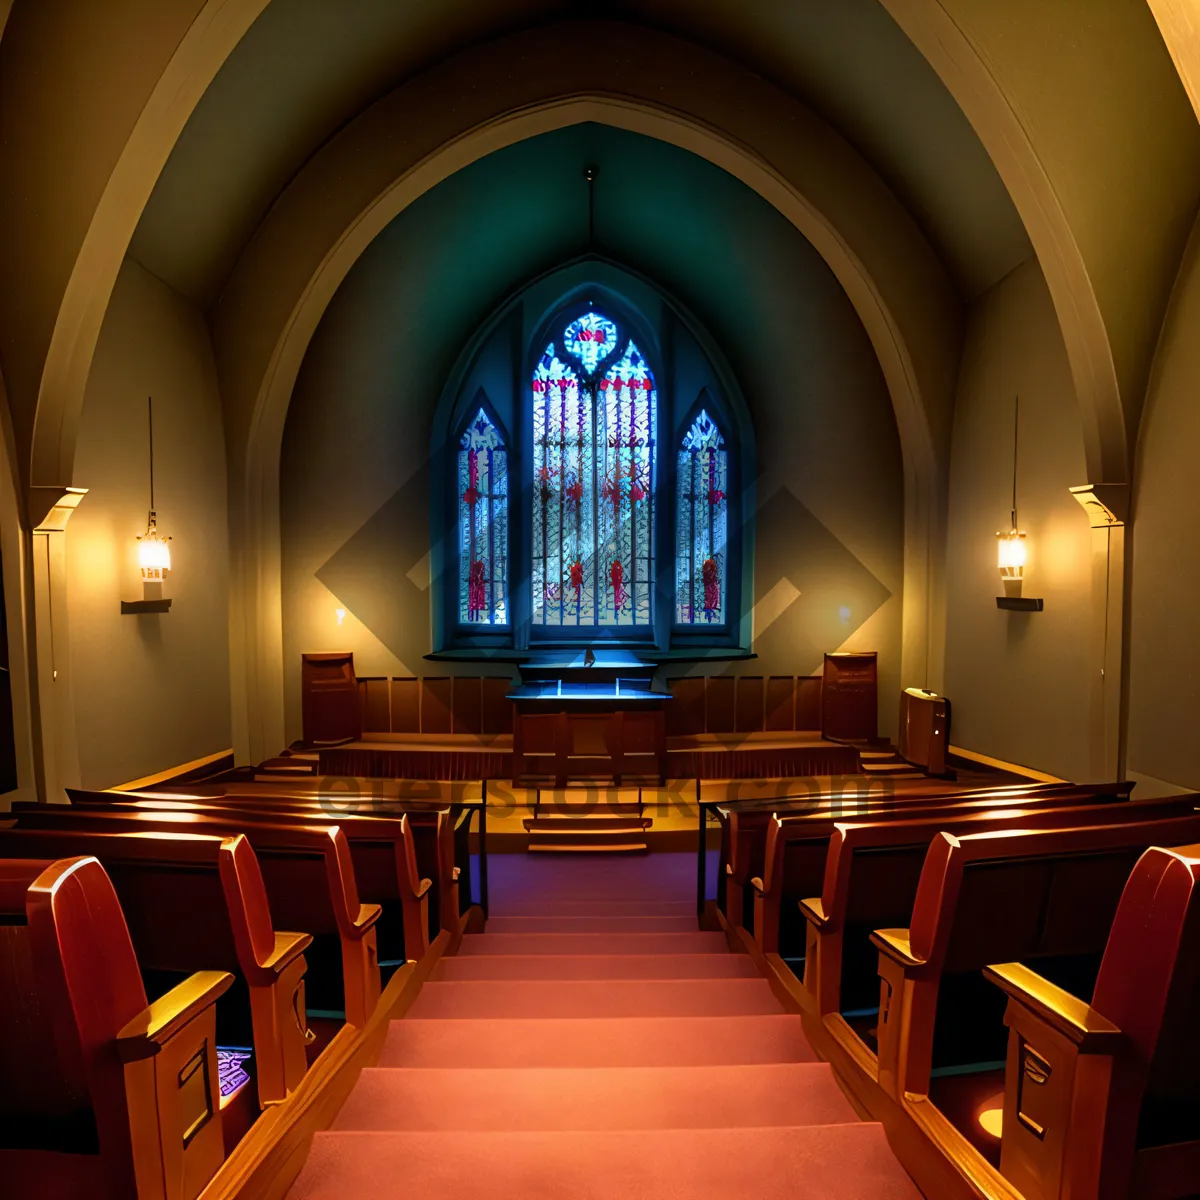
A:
<point x="555" y="821"/>
<point x="587" y="848"/>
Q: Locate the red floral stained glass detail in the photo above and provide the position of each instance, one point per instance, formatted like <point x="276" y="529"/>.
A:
<point x="576" y="578"/>
<point x="573" y="493"/>
<point x="712" y="585"/>
<point x="471" y="495"/>
<point x="477" y="587"/>
<point x="617" y="576"/>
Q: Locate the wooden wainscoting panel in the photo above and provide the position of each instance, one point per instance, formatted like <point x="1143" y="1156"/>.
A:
<point x="406" y="705"/>
<point x="467" y="703"/>
<point x="748" y="717"/>
<point x="685" y="712"/>
<point x="808" y="703"/>
<point x="719" y="704"/>
<point x="781" y="702"/>
<point x="497" y="715"/>
<point x="376" y="706"/>
<point x="436" y="704"/>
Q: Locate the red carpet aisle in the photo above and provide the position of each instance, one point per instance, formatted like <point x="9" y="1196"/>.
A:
<point x="592" y="1044"/>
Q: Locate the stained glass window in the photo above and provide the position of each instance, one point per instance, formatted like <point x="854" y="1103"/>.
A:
<point x="594" y="419"/>
<point x="702" y="507"/>
<point x="482" y="524"/>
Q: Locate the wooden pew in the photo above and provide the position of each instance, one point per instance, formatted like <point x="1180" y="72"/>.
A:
<point x="309" y="875"/>
<point x="421" y="800"/>
<point x="994" y="897"/>
<point x="102" y="1093"/>
<point x="217" y="886"/>
<point x="383" y="851"/>
<point x="1112" y="1109"/>
<point x="746" y="824"/>
<point x="871" y="872"/>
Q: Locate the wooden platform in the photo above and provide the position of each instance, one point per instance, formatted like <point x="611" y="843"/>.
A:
<point x="760" y="755"/>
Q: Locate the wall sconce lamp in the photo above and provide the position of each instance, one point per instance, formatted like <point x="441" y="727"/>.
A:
<point x="154" y="554"/>
<point x="1010" y="546"/>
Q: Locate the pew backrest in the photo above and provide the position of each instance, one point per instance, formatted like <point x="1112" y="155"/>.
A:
<point x="1013" y="894"/>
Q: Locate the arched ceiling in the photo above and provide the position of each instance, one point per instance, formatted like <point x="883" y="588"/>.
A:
<point x="306" y="68"/>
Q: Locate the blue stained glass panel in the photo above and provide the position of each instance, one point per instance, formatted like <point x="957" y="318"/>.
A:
<point x="482" y="524"/>
<point x="593" y="481"/>
<point x="702" y="507"/>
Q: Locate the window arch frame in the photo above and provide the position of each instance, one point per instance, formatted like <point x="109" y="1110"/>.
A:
<point x="498" y="360"/>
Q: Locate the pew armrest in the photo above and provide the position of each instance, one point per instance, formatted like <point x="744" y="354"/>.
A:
<point x="759" y="887"/>
<point x="368" y="914"/>
<point x="813" y="911"/>
<point x="455" y="872"/>
<point x="288" y="947"/>
<point x="1073" y="1018"/>
<point x="894" y="944"/>
<point x="156" y="1025"/>
<point x="423" y="887"/>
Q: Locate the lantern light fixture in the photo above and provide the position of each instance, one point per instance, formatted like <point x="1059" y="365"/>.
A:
<point x="154" y="552"/>
<point x="1011" y="548"/>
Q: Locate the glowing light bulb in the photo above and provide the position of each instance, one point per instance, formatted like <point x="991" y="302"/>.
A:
<point x="1010" y="554"/>
<point x="154" y="555"/>
<point x="341" y="615"/>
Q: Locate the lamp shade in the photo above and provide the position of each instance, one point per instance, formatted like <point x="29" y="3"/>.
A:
<point x="1010" y="554"/>
<point x="154" y="553"/>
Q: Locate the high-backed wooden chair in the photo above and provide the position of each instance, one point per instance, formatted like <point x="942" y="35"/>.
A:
<point x="1103" y="1099"/>
<point x="195" y="902"/>
<point x="102" y="1094"/>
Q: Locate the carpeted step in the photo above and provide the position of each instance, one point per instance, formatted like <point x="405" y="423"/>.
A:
<point x="777" y="1094"/>
<point x="593" y="943"/>
<point x="600" y="923"/>
<point x="596" y="966"/>
<point x="596" y="1042"/>
<point x="595" y="998"/>
<point x="822" y="1162"/>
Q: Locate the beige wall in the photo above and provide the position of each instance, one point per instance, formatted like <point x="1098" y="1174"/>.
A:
<point x="1018" y="682"/>
<point x="149" y="691"/>
<point x="1164" y="649"/>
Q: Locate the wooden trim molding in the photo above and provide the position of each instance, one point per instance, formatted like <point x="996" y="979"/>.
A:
<point x="216" y="761"/>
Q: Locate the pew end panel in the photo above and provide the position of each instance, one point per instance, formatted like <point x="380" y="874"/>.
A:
<point x="274" y="966"/>
<point x="1100" y="1098"/>
<point x="356" y="929"/>
<point x="414" y="890"/>
<point x="151" y="1069"/>
<point x="1056" y="1086"/>
<point x="910" y="963"/>
<point x="169" y="1054"/>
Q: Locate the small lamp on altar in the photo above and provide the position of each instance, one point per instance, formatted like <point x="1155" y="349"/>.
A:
<point x="1011" y="549"/>
<point x="154" y="553"/>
